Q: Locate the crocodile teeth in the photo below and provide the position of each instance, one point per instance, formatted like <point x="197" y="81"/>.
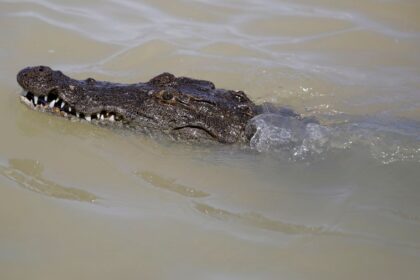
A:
<point x="26" y="100"/>
<point x="58" y="105"/>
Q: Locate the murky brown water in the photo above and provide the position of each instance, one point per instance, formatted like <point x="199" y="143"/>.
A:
<point x="83" y="202"/>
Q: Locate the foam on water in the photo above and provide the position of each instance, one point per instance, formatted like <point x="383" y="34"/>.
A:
<point x="275" y="132"/>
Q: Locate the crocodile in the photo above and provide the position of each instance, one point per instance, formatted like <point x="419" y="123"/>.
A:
<point x="181" y="107"/>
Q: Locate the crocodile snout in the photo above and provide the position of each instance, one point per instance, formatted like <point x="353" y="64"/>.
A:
<point x="22" y="76"/>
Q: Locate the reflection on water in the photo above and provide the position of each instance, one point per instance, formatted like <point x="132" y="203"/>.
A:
<point x="28" y="174"/>
<point x="336" y="198"/>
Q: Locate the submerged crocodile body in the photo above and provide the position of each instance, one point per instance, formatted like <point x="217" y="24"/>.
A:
<point x="180" y="107"/>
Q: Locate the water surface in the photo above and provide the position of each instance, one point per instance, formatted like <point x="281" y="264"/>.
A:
<point x="334" y="200"/>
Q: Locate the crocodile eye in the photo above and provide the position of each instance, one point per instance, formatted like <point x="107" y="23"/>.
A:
<point x="166" y="95"/>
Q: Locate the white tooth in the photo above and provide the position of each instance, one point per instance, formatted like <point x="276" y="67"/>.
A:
<point x="112" y="118"/>
<point x="35" y="100"/>
<point x="98" y="115"/>
<point x="88" y="119"/>
<point x="69" y="109"/>
<point x="62" y="104"/>
<point x="26" y="100"/>
<point x="46" y="98"/>
<point x="52" y="104"/>
<point x="102" y="117"/>
<point x="77" y="115"/>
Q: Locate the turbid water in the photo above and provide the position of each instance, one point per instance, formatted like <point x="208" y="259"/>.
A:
<point x="338" y="200"/>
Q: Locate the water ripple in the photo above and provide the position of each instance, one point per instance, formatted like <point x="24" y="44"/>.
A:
<point x="261" y="222"/>
<point x="28" y="174"/>
<point x="170" y="185"/>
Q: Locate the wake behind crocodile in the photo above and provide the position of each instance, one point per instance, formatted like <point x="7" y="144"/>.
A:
<point x="386" y="139"/>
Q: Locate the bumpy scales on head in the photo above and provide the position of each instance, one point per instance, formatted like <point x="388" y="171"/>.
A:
<point x="181" y="107"/>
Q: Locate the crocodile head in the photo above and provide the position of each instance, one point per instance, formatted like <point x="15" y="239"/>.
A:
<point x="181" y="107"/>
